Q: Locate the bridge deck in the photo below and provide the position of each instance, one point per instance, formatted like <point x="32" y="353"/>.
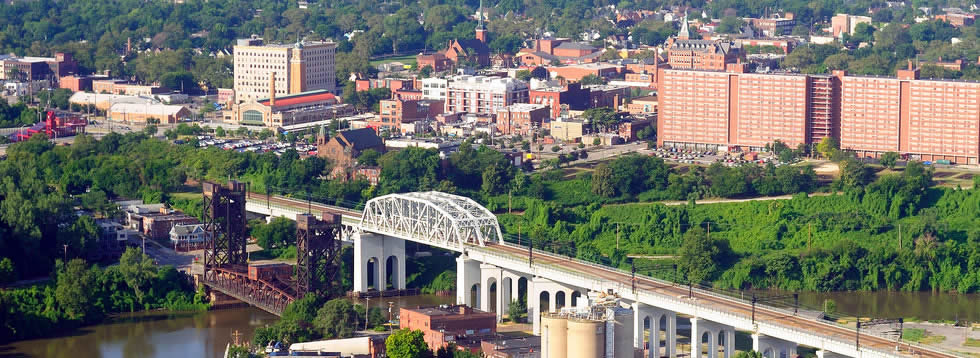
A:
<point x="732" y="305"/>
<point x="703" y="298"/>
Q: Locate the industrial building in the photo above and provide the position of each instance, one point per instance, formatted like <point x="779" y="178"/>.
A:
<point x="603" y="330"/>
<point x="459" y="324"/>
<point x="140" y="113"/>
<point x="55" y="125"/>
<point x="302" y="67"/>
<point x="923" y="118"/>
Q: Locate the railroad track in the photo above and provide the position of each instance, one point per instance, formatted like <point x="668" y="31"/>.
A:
<point x="730" y="305"/>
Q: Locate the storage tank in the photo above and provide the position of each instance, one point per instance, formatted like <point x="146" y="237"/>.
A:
<point x="619" y="332"/>
<point x="586" y="338"/>
<point x="554" y="335"/>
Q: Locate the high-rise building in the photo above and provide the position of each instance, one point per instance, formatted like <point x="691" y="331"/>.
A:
<point x="924" y="119"/>
<point x="301" y="67"/>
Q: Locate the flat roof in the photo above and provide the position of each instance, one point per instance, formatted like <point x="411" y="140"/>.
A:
<point x="302" y="97"/>
<point x="447" y="310"/>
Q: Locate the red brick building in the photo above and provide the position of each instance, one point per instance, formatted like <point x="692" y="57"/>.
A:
<point x="575" y="73"/>
<point x="925" y="119"/>
<point x="522" y="118"/>
<point x="684" y="53"/>
<point x="442" y="325"/>
<point x="572" y="96"/>
<point x="437" y="61"/>
<point x="76" y="83"/>
<point x="395" y="112"/>
<point x="392" y="84"/>
<point x="343" y="149"/>
<point x="548" y="50"/>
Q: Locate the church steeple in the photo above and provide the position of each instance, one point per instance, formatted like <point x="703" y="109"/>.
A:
<point x="481" y="31"/>
<point x="684" y="34"/>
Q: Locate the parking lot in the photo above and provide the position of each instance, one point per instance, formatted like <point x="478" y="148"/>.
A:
<point x="258" y="146"/>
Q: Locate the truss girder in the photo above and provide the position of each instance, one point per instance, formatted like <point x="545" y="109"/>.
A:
<point x="441" y="219"/>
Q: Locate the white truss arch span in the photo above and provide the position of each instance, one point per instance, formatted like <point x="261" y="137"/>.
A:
<point x="434" y="218"/>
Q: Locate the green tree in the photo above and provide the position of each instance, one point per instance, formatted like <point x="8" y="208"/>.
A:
<point x="828" y="147"/>
<point x="7" y="272"/>
<point x="136" y="268"/>
<point x="592" y="79"/>
<point x="404" y="343"/>
<point x="336" y="319"/>
<point x="150" y="130"/>
<point x="889" y="159"/>
<point x="279" y="233"/>
<point x="219" y="132"/>
<point x="829" y="306"/>
<point x="854" y="174"/>
<point x="74" y="288"/>
<point x="369" y="157"/>
<point x="748" y="354"/>
<point x="516" y="310"/>
<point x="730" y="25"/>
<point x="699" y="256"/>
<point x="540" y="73"/>
<point x="602" y="184"/>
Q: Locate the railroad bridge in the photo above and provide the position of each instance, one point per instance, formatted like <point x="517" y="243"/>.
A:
<point x="491" y="273"/>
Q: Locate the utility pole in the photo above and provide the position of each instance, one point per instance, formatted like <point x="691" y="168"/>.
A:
<point x="617" y="236"/>
<point x="367" y="311"/>
<point x="390" y="321"/>
<point x="509" y="200"/>
<point x="66" y="253"/>
<point x="899" y="236"/>
<point x="518" y="233"/>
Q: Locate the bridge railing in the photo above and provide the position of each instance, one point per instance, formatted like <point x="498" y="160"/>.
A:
<point x="261" y="293"/>
<point x="699" y="305"/>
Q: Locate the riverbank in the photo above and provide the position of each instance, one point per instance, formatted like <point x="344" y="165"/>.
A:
<point x="148" y="335"/>
<point x="83" y="295"/>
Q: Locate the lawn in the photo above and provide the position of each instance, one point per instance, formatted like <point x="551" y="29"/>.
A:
<point x="920" y="335"/>
<point x="972" y="342"/>
<point x="407" y="59"/>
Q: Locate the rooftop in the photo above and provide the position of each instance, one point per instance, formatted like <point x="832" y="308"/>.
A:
<point x="148" y="109"/>
<point x="521" y="107"/>
<point x="447" y="310"/>
<point x="301" y="98"/>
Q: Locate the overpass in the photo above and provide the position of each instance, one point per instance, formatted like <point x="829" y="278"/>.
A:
<point x="488" y="264"/>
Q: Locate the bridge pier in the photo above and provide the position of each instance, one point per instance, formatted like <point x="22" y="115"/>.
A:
<point x="828" y="354"/>
<point x="716" y="334"/>
<point x="504" y="283"/>
<point x="372" y="253"/>
<point x="658" y="320"/>
<point x="467" y="275"/>
<point x="545" y="295"/>
<point x="771" y="347"/>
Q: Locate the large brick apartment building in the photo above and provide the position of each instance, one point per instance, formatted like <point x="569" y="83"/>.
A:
<point x="926" y="119"/>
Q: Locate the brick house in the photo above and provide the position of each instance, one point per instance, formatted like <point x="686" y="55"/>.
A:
<point x="343" y="149"/>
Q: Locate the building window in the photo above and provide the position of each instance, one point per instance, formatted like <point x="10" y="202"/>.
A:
<point x="252" y="116"/>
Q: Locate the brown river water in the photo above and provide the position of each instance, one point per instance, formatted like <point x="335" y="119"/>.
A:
<point x="169" y="335"/>
<point x="205" y="334"/>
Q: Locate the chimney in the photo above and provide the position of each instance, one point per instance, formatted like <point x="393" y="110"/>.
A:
<point x="272" y="89"/>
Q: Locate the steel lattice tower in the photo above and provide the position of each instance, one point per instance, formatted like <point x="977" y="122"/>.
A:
<point x="224" y="221"/>
<point x="317" y="251"/>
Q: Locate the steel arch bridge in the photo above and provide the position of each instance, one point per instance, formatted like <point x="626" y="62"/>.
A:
<point x="433" y="218"/>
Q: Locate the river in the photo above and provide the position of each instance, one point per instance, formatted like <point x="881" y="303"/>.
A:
<point x="168" y="335"/>
<point x="205" y="334"/>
